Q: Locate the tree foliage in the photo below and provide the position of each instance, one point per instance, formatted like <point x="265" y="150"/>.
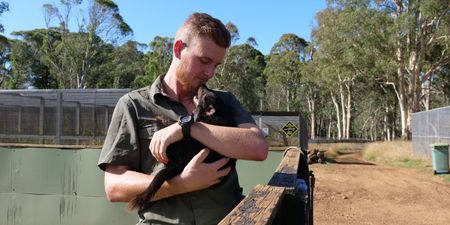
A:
<point x="242" y="73"/>
<point x="157" y="61"/>
<point x="69" y="56"/>
<point x="369" y="65"/>
<point x="5" y="70"/>
<point x="400" y="44"/>
<point x="283" y="73"/>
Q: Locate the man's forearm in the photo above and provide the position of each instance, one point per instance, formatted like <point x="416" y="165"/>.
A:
<point x="123" y="185"/>
<point x="244" y="142"/>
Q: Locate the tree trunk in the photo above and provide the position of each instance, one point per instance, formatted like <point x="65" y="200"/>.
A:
<point x="338" y="116"/>
<point x="312" y="113"/>
<point x="344" y="114"/>
<point x="387" y="125"/>
<point x="348" y="107"/>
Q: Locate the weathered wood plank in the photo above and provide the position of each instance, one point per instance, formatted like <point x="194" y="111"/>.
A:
<point x="263" y="202"/>
<point x="259" y="207"/>
<point x="286" y="173"/>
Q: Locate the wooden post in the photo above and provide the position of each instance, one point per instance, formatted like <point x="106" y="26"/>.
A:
<point x="106" y="118"/>
<point x="41" y="119"/>
<point x="77" y="122"/>
<point x="19" y="120"/>
<point x="303" y="134"/>
<point x="59" y="112"/>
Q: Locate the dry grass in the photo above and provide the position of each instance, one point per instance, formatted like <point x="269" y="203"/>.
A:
<point x="399" y="154"/>
<point x="335" y="149"/>
<point x="394" y="153"/>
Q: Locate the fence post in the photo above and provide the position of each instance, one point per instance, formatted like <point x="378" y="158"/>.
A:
<point x="59" y="113"/>
<point x="302" y="134"/>
<point x="77" y="122"/>
<point x="41" y="119"/>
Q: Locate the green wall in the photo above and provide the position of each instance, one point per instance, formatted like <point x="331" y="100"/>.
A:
<point x="54" y="186"/>
<point x="40" y="186"/>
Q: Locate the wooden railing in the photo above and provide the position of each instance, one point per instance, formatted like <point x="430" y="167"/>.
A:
<point x="274" y="203"/>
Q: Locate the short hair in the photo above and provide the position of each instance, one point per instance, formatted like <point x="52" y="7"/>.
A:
<point x="204" y="25"/>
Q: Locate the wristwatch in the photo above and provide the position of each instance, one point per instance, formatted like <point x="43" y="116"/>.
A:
<point x="186" y="123"/>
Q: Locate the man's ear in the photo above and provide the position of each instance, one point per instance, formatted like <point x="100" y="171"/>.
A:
<point x="178" y="46"/>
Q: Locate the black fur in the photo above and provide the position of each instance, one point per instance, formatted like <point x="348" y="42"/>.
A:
<point x="209" y="110"/>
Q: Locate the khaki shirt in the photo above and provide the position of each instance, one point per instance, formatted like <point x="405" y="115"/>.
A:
<point x="136" y="117"/>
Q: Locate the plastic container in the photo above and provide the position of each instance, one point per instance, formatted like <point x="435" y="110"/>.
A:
<point x="439" y="157"/>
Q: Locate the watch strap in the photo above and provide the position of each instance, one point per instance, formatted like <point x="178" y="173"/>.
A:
<point x="186" y="123"/>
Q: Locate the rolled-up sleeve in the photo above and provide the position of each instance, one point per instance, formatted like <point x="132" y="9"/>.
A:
<point x="121" y="145"/>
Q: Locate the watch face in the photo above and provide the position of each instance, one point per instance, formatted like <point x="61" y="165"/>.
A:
<point x="185" y="119"/>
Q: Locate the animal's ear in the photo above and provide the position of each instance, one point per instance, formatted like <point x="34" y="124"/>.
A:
<point x="205" y="97"/>
<point x="200" y="95"/>
<point x="210" y="110"/>
<point x="196" y="101"/>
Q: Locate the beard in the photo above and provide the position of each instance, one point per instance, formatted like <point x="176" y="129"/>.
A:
<point x="185" y="79"/>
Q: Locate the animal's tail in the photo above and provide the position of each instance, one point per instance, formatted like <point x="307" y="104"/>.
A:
<point x="143" y="199"/>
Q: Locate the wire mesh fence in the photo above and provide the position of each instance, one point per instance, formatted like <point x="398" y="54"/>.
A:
<point x="428" y="127"/>
<point x="82" y="116"/>
<point x="66" y="117"/>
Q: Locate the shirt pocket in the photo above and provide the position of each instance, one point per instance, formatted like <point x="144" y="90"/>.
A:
<point x="147" y="131"/>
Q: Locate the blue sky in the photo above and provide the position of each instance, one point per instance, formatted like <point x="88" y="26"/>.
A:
<point x="266" y="20"/>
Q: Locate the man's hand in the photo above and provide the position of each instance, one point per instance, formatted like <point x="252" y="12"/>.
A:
<point x="198" y="175"/>
<point x="162" y="139"/>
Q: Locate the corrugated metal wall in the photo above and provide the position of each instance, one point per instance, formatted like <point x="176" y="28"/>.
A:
<point x="42" y="186"/>
<point x="53" y="186"/>
<point x="428" y="127"/>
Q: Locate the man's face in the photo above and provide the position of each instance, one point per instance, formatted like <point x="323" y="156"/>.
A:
<point x="198" y="62"/>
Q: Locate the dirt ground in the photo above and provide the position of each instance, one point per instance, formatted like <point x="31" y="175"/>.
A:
<point x="355" y="192"/>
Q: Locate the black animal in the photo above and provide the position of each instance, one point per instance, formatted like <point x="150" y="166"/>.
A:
<point x="209" y="110"/>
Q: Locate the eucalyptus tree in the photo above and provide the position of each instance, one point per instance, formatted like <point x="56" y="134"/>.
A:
<point x="5" y="71"/>
<point x="28" y="67"/>
<point x="242" y="71"/>
<point x="128" y="62"/>
<point x="5" y="68"/>
<point x="311" y="91"/>
<point x="4" y="7"/>
<point x="157" y="61"/>
<point x="349" y="36"/>
<point x="283" y="73"/>
<point x="421" y="42"/>
<point x="73" y="54"/>
<point x="19" y="75"/>
<point x="439" y="95"/>
<point x="117" y="67"/>
<point x="28" y="62"/>
<point x="234" y="31"/>
<point x="242" y="74"/>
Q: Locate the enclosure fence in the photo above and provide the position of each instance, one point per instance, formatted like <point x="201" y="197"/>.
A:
<point x="428" y="127"/>
<point x="82" y="117"/>
<point x="70" y="116"/>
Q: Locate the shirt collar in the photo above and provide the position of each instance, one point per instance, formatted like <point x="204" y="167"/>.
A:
<point x="157" y="88"/>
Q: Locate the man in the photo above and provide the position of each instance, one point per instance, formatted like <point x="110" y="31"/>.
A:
<point x="144" y="124"/>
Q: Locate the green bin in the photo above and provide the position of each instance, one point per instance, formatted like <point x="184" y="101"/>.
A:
<point x="439" y="156"/>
